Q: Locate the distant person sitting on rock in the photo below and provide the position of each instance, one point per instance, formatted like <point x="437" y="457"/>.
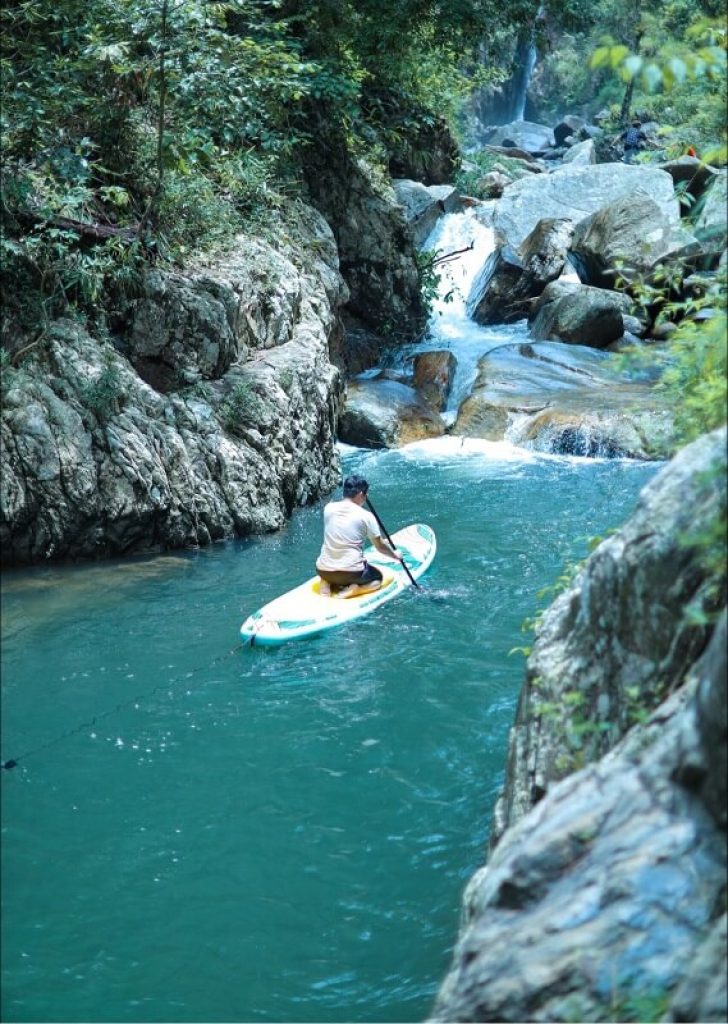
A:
<point x="634" y="140"/>
<point x="341" y="564"/>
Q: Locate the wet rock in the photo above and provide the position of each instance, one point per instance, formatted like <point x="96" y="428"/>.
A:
<point x="495" y="289"/>
<point x="361" y="347"/>
<point x="604" y="895"/>
<point x="433" y="377"/>
<point x="386" y="414"/>
<point x="501" y="293"/>
<point x="579" y="315"/>
<point x="424" y="205"/>
<point x="564" y="399"/>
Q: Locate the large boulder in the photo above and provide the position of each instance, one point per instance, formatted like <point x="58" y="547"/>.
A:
<point x="381" y="413"/>
<point x="564" y="399"/>
<point x="579" y="315"/>
<point x="575" y="192"/>
<point x="627" y="238"/>
<point x="582" y="153"/>
<point x="568" y="127"/>
<point x="525" y="135"/>
<point x="603" y="898"/>
<point x="503" y="289"/>
<point x="424" y="205"/>
<point x="606" y="901"/>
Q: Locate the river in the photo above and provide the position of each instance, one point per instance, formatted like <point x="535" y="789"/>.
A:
<point x="200" y="831"/>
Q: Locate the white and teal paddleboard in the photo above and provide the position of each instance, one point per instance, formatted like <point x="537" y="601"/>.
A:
<point x="303" y="611"/>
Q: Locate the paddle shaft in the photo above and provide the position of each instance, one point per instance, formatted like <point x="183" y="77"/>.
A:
<point x="393" y="546"/>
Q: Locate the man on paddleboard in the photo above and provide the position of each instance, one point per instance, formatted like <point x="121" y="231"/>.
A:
<point x="347" y="527"/>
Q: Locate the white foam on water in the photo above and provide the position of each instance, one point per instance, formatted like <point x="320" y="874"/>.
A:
<point x="452" y="445"/>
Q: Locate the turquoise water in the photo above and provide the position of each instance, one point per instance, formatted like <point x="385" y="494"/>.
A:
<point x="197" y="831"/>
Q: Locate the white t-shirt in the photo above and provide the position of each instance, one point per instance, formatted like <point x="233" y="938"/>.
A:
<point x="346" y="528"/>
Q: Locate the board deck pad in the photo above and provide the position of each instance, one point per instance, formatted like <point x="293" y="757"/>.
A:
<point x="304" y="612"/>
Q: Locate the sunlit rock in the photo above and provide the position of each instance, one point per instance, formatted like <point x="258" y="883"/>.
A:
<point x="433" y="377"/>
<point x="575" y="192"/>
<point x="627" y="238"/>
<point x="386" y="414"/>
<point x="565" y="399"/>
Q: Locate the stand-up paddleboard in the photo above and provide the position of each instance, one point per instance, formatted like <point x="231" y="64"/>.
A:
<point x="303" y="611"/>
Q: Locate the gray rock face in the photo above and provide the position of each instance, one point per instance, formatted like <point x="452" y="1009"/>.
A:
<point x="604" y="896"/>
<point x="600" y="904"/>
<point x="376" y="248"/>
<point x="711" y="224"/>
<point x="424" y="205"/>
<point x="578" y="315"/>
<point x="564" y="399"/>
<point x="94" y="461"/>
<point x="627" y="237"/>
<point x="617" y="639"/>
<point x="386" y="414"/>
<point x="502" y="291"/>
<point x="574" y="192"/>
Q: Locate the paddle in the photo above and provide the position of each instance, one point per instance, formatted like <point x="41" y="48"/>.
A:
<point x="383" y="528"/>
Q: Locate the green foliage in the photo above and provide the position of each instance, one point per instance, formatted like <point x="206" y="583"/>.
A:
<point x="242" y="407"/>
<point x="469" y="182"/>
<point x="104" y="394"/>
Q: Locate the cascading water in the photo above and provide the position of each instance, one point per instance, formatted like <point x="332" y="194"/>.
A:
<point x="523" y="79"/>
<point x="450" y="325"/>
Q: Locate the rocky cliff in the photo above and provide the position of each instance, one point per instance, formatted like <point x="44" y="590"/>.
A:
<point x="212" y="412"/>
<point x="604" y="897"/>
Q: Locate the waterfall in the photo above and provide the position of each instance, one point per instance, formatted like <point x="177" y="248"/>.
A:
<point x="522" y="80"/>
<point x="450" y="325"/>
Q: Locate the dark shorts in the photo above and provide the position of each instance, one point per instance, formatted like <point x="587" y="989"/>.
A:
<point x="368" y="575"/>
